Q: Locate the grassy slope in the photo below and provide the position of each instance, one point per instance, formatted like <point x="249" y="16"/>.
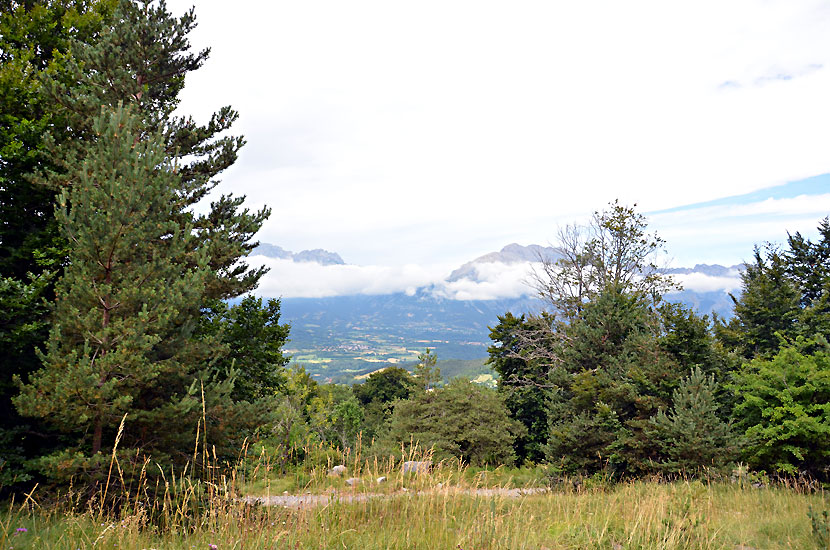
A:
<point x="635" y="515"/>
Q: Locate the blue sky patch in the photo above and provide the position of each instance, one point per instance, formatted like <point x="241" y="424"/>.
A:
<point x="816" y="185"/>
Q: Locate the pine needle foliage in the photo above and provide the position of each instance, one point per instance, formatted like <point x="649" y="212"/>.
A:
<point x="128" y="301"/>
<point x="140" y="58"/>
<point x="692" y="436"/>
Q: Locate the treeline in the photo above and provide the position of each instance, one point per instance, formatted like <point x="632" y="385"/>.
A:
<point x="614" y="378"/>
<point x="611" y="378"/>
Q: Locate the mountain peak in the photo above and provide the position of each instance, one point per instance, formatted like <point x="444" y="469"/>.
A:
<point x="511" y="254"/>
<point x="318" y="255"/>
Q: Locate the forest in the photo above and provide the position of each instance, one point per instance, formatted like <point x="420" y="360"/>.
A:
<point x="136" y="356"/>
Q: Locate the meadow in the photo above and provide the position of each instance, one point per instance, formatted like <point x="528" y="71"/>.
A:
<point x="452" y="507"/>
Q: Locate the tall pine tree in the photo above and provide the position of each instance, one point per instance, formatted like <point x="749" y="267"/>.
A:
<point x="140" y="58"/>
<point x="101" y="54"/>
<point x="129" y="298"/>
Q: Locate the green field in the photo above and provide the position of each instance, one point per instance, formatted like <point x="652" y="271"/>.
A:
<point x="350" y="358"/>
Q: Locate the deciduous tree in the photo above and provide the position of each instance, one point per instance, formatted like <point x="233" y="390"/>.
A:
<point x="614" y="253"/>
<point x="461" y="420"/>
<point x="254" y="338"/>
<point x="523" y="383"/>
<point x="784" y="408"/>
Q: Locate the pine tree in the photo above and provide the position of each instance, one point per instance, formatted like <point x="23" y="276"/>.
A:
<point x="129" y="298"/>
<point x="766" y="310"/>
<point x="426" y="372"/>
<point x="60" y="63"/>
<point x="141" y="58"/>
<point x="693" y="435"/>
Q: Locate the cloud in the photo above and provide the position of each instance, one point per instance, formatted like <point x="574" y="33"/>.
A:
<point x="493" y="280"/>
<point x="290" y="279"/>
<point x="726" y="234"/>
<point x="700" y="282"/>
<point x="802" y="205"/>
<point x="371" y="119"/>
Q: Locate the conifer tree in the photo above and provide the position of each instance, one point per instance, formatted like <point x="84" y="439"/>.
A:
<point x="140" y="58"/>
<point x="766" y="310"/>
<point x="808" y="263"/>
<point x="128" y="300"/>
<point x="61" y="63"/>
<point x="425" y="371"/>
<point x="612" y="377"/>
<point x="693" y="435"/>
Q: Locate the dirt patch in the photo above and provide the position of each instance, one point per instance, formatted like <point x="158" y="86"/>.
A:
<point x="314" y="500"/>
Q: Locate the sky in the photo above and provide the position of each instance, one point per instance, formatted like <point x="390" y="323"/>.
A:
<point x="412" y="137"/>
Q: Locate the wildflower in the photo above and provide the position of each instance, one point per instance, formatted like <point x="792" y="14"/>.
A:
<point x="213" y="547"/>
<point x="21" y="530"/>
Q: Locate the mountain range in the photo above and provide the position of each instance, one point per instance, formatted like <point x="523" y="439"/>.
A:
<point x="341" y="337"/>
<point x="317" y="255"/>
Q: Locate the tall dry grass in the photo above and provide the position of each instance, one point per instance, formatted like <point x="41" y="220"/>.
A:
<point x="451" y="506"/>
<point x="444" y="508"/>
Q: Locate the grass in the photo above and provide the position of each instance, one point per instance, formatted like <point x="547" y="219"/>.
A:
<point x="444" y="508"/>
<point x="440" y="510"/>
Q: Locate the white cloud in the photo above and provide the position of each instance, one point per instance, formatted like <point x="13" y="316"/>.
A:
<point x="494" y="280"/>
<point x="803" y="205"/>
<point x="369" y="120"/>
<point x="311" y="280"/>
<point x="290" y="279"/>
<point x="700" y="282"/>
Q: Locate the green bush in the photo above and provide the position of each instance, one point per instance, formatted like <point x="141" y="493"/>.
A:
<point x="784" y="408"/>
<point x="460" y="420"/>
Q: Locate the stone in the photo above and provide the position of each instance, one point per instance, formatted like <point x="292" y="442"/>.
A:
<point x="381" y="479"/>
<point x="337" y="471"/>
<point x="352" y="481"/>
<point x="416" y="466"/>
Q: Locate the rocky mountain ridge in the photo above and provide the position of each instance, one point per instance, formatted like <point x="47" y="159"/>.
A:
<point x="317" y="255"/>
<point x="516" y="253"/>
